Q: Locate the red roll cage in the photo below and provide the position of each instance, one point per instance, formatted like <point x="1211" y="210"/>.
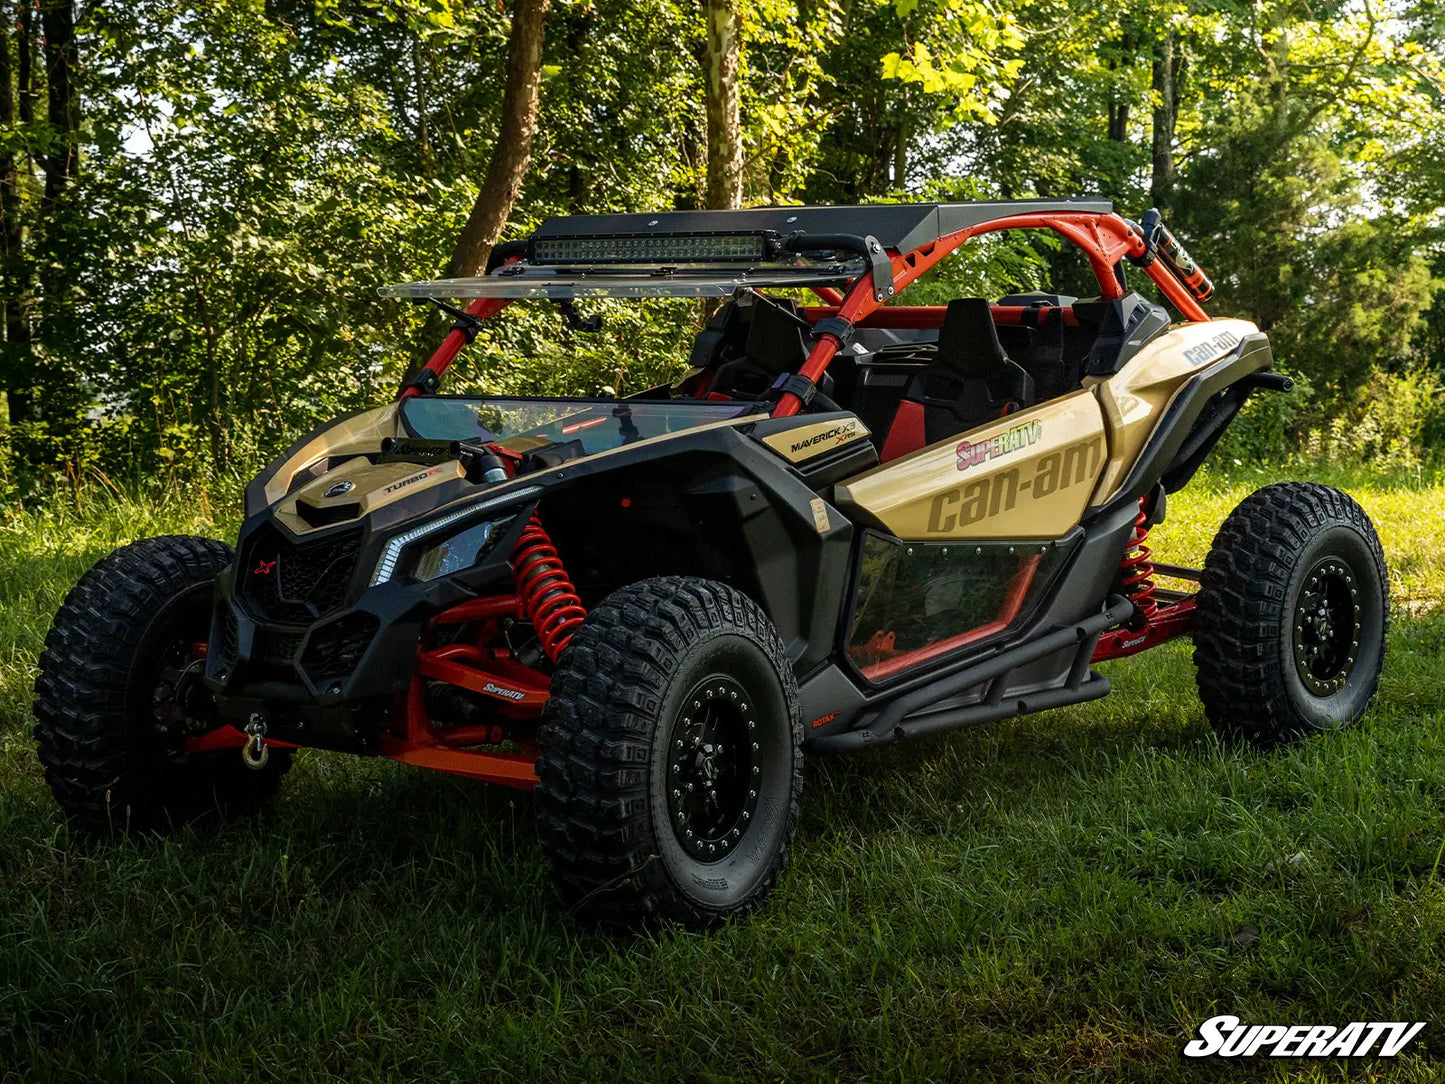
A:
<point x="1104" y="238"/>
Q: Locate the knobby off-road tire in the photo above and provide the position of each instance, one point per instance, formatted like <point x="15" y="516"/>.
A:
<point x="109" y="729"/>
<point x="1293" y="610"/>
<point x="671" y="756"/>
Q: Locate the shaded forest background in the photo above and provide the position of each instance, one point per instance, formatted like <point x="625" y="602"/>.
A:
<point x="199" y="199"/>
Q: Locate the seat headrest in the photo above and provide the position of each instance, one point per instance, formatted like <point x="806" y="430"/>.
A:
<point x="775" y="336"/>
<point x="968" y="341"/>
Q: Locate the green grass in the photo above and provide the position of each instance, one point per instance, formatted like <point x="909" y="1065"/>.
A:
<point x="1060" y="896"/>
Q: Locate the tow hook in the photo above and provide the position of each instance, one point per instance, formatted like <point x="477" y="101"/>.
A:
<point x="255" y="752"/>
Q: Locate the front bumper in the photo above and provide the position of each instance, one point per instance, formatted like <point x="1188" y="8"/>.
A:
<point x="325" y="665"/>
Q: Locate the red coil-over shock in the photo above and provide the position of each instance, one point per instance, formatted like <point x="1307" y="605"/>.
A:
<point x="1136" y="571"/>
<point x="545" y="589"/>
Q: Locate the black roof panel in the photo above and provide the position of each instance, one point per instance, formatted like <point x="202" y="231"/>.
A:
<point x="899" y="226"/>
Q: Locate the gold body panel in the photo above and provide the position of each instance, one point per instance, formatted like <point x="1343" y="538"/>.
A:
<point x="1028" y="475"/>
<point x="362" y="433"/>
<point x="374" y="486"/>
<point x="1031" y="474"/>
<point x="1135" y="398"/>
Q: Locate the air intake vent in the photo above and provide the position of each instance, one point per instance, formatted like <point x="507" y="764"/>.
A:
<point x="326" y="515"/>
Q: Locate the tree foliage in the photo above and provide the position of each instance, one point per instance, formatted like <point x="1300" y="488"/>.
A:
<point x="197" y="200"/>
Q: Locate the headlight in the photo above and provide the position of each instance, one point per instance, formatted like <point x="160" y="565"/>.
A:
<point x="459" y="551"/>
<point x="452" y="554"/>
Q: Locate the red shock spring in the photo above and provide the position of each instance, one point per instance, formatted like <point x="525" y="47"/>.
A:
<point x="545" y="589"/>
<point x="1136" y="571"/>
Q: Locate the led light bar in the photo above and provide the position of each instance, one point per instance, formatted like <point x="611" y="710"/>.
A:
<point x="678" y="249"/>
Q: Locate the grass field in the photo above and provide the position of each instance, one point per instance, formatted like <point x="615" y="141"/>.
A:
<point x="1057" y="897"/>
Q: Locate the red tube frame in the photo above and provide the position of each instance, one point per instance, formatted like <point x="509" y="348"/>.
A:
<point x="1104" y="238"/>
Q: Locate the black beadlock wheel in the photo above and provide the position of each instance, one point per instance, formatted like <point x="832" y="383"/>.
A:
<point x="1293" y="611"/>
<point x="670" y="763"/>
<point x="113" y="698"/>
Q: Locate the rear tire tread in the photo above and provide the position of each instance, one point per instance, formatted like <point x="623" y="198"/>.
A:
<point x="1243" y="591"/>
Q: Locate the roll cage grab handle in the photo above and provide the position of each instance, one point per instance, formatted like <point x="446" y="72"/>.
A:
<point x="1104" y="238"/>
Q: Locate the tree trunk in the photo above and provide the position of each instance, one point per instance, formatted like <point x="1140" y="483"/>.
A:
<point x="16" y="104"/>
<point x="57" y="18"/>
<point x="1119" y="121"/>
<point x="506" y="169"/>
<point x="512" y="153"/>
<point x="1166" y="113"/>
<point x="724" y="125"/>
<point x="423" y="106"/>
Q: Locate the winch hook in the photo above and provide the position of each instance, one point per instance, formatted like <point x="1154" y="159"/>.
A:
<point x="255" y="753"/>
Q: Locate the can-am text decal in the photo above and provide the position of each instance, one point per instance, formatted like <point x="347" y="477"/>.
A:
<point x="999" y="492"/>
<point x="1212" y="348"/>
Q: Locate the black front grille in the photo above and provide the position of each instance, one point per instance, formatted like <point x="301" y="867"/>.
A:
<point x="336" y="648"/>
<point x="279" y="646"/>
<point x="297" y="582"/>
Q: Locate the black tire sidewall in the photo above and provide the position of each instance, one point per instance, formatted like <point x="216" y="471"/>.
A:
<point x="1344" y="707"/>
<point x="724" y="885"/>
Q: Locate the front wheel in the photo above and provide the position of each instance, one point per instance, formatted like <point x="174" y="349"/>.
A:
<point x="119" y="678"/>
<point x="1293" y="609"/>
<point x="671" y="760"/>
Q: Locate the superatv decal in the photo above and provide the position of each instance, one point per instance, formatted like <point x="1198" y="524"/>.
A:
<point x="839" y="434"/>
<point x="1210" y="349"/>
<point x="958" y="507"/>
<point x="412" y="479"/>
<point x="972" y="453"/>
<point x="500" y="690"/>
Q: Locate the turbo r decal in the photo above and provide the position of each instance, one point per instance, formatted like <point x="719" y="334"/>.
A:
<point x="966" y="504"/>
<point x="411" y="480"/>
<point x="972" y="453"/>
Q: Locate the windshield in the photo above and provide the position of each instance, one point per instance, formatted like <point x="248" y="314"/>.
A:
<point x="588" y="426"/>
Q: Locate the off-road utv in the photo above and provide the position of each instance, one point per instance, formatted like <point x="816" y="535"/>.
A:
<point x="853" y="522"/>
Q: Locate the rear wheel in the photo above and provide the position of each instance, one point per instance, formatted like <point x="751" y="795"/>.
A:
<point x="1293" y="609"/>
<point x="118" y="687"/>
<point x="671" y="756"/>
